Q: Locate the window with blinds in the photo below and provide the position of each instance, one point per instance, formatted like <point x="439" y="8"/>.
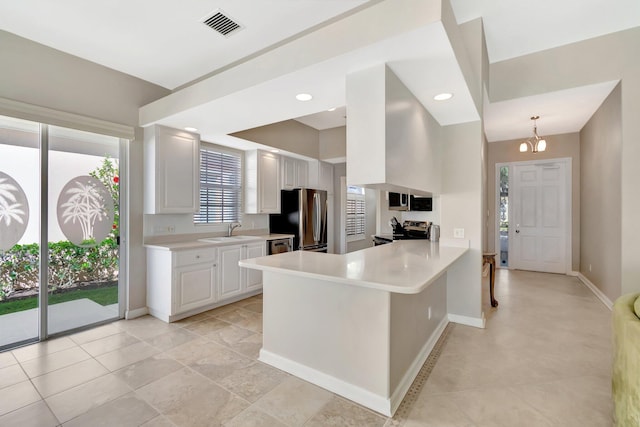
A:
<point x="220" y="186"/>
<point x="355" y="219"/>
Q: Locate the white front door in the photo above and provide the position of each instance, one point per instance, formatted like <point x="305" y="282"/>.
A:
<point x="539" y="229"/>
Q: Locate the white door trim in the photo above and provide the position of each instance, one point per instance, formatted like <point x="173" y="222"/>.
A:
<point x="568" y="211"/>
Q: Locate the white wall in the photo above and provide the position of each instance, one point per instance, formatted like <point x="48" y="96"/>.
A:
<point x="461" y="205"/>
<point x="23" y="165"/>
<point x="388" y="127"/>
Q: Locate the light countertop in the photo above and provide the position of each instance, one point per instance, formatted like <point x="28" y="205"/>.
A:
<point x="195" y="243"/>
<point x="404" y="266"/>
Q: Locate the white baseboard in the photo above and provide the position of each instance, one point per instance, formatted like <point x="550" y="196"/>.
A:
<point x="350" y="391"/>
<point x="602" y="297"/>
<point x="469" y="321"/>
<point x="414" y="369"/>
<point x="138" y="312"/>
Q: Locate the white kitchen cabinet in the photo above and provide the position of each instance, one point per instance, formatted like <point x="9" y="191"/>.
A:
<point x="294" y="173"/>
<point x="321" y="176"/>
<point x="262" y="182"/>
<point x="230" y="277"/>
<point x="195" y="286"/>
<point x="253" y="278"/>
<point x="233" y="279"/>
<point x="172" y="168"/>
<point x="181" y="282"/>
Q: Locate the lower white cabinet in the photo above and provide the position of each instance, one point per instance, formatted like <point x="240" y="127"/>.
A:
<point x="253" y="278"/>
<point x="230" y="277"/>
<point x="184" y="282"/>
<point x="233" y="279"/>
<point x="195" y="286"/>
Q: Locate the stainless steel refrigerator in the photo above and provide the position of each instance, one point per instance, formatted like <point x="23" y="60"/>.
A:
<point x="303" y="213"/>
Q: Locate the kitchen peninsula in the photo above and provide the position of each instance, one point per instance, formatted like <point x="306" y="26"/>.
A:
<point x="360" y="324"/>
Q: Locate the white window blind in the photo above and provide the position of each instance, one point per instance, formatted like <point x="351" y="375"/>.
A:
<point x="220" y="186"/>
<point x="355" y="213"/>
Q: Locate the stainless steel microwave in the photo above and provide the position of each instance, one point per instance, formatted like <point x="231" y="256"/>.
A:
<point x="398" y="201"/>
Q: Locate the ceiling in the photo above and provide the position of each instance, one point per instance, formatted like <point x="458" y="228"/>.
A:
<point x="164" y="42"/>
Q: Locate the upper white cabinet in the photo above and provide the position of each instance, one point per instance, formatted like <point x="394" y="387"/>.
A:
<point x="321" y="176"/>
<point x="294" y="173"/>
<point x="172" y="168"/>
<point x="262" y="182"/>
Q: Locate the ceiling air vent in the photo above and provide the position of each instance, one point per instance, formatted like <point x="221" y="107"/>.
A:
<point x="222" y="23"/>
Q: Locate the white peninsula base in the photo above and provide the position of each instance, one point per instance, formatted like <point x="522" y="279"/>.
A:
<point x="337" y="322"/>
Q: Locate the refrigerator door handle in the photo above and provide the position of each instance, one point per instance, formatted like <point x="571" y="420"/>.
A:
<point x="316" y="217"/>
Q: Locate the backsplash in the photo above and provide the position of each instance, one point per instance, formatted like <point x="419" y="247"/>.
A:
<point x="166" y="225"/>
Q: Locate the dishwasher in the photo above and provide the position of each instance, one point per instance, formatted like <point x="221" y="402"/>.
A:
<point x="278" y="246"/>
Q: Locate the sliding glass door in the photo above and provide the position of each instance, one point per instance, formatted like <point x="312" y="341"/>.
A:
<point x="19" y="230"/>
<point x="62" y="272"/>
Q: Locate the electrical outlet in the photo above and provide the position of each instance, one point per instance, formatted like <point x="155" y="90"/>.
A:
<point x="171" y="228"/>
<point x="458" y="233"/>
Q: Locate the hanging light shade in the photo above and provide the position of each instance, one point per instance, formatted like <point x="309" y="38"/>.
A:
<point x="536" y="143"/>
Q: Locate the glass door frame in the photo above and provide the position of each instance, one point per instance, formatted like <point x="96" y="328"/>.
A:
<point x="43" y="294"/>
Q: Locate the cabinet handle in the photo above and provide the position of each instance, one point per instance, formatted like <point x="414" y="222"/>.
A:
<point x="215" y="265"/>
<point x="197" y="256"/>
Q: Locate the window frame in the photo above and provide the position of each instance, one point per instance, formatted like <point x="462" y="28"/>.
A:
<point x="356" y="195"/>
<point x="208" y="146"/>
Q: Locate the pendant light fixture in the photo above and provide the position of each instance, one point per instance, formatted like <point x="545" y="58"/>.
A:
<point x="536" y="143"/>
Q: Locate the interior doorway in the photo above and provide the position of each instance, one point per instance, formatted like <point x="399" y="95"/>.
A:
<point x="533" y="220"/>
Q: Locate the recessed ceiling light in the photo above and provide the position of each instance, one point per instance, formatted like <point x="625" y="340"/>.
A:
<point x="332" y="109"/>
<point x="443" y="96"/>
<point x="190" y="129"/>
<point x="275" y="151"/>
<point x="304" y="97"/>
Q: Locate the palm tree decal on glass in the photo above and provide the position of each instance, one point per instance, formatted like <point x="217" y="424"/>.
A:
<point x="14" y="212"/>
<point x="85" y="211"/>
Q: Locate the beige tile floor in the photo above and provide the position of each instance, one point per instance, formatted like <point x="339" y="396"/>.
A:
<point x="543" y="360"/>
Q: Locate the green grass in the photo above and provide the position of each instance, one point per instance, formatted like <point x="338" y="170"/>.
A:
<point x="104" y="295"/>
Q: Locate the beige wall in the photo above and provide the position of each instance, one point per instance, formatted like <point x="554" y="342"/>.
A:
<point x="608" y="58"/>
<point x="333" y="143"/>
<point x="38" y="75"/>
<point x="288" y="135"/>
<point x="601" y="221"/>
<point x="461" y="205"/>
<point x="558" y="146"/>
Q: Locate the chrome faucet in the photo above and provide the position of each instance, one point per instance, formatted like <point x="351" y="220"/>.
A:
<point x="232" y="227"/>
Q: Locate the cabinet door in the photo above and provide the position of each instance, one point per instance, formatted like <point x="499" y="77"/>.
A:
<point x="269" y="183"/>
<point x="288" y="173"/>
<point x="253" y="278"/>
<point x="195" y="286"/>
<point x="302" y="174"/>
<point x="326" y="177"/>
<point x="177" y="171"/>
<point x="230" y="278"/>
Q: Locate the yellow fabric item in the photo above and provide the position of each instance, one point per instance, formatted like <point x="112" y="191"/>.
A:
<point x="626" y="361"/>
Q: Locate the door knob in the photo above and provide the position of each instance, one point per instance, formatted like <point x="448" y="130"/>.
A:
<point x="517" y="231"/>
